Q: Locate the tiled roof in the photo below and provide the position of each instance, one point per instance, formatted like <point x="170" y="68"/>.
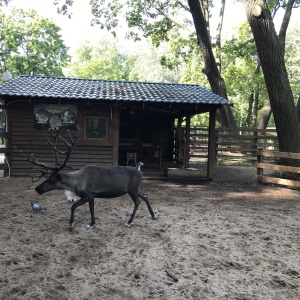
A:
<point x="71" y="88"/>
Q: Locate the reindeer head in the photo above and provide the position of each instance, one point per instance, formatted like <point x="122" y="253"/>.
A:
<point x="53" y="138"/>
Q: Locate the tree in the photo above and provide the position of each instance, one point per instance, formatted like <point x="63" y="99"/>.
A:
<point x="292" y="59"/>
<point x="105" y="60"/>
<point x="210" y="69"/>
<point x="4" y="2"/>
<point x="242" y="73"/>
<point x="271" y="55"/>
<point x="287" y="6"/>
<point x="30" y="44"/>
<point x="158" y="20"/>
<point x="150" y="59"/>
<point x="98" y="60"/>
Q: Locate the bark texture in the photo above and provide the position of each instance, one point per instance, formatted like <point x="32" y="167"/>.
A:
<point x="271" y="57"/>
<point x="265" y="117"/>
<point x="224" y="115"/>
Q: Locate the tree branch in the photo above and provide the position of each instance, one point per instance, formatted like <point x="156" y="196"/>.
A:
<point x="285" y="23"/>
<point x="183" y="6"/>
<point x="218" y="34"/>
<point x="180" y="25"/>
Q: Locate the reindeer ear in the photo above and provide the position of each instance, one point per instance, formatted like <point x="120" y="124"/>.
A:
<point x="58" y="177"/>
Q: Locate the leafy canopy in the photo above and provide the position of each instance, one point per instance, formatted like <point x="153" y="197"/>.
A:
<point x="30" y="44"/>
<point x="98" y="61"/>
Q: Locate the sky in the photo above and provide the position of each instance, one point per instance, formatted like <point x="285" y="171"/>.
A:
<point x="78" y="29"/>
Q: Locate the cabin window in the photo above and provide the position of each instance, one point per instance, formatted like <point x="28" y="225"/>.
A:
<point x="96" y="128"/>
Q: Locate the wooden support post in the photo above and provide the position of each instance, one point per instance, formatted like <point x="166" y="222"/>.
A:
<point x="186" y="158"/>
<point x="160" y="153"/>
<point x="254" y="142"/>
<point x="116" y="135"/>
<point x="179" y="141"/>
<point x="260" y="171"/>
<point x="211" y="142"/>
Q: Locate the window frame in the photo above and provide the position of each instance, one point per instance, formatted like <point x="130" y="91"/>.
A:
<point x="98" y="111"/>
<point x="85" y="134"/>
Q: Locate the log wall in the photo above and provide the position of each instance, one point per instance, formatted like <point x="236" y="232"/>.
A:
<point x="24" y="140"/>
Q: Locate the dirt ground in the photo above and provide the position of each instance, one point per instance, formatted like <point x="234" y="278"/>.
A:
<point x="228" y="238"/>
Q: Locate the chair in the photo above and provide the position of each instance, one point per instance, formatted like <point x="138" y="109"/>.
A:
<point x="131" y="156"/>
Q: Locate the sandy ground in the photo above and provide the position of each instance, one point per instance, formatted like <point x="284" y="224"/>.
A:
<point x="224" y="239"/>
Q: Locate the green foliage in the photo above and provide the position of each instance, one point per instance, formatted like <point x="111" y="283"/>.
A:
<point x="64" y="8"/>
<point x="292" y="59"/>
<point x="145" y="18"/>
<point x="98" y="61"/>
<point x="104" y="60"/>
<point x="4" y="2"/>
<point x="239" y="61"/>
<point x="200" y="120"/>
<point x="146" y="67"/>
<point x="30" y="44"/>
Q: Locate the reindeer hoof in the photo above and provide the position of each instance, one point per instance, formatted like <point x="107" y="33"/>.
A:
<point x="71" y="200"/>
<point x="90" y="227"/>
<point x="71" y="226"/>
<point x="155" y="216"/>
<point x="128" y="224"/>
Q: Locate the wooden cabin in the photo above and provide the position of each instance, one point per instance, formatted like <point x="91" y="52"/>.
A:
<point x="120" y="122"/>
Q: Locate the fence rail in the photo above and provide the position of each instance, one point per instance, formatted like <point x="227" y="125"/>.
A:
<point x="233" y="144"/>
<point x="269" y="178"/>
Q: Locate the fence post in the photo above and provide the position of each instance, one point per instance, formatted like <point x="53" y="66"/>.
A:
<point x="260" y="171"/>
<point x="254" y="142"/>
<point x="211" y="142"/>
<point x="216" y="144"/>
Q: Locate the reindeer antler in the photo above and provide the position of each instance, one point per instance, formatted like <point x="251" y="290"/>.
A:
<point x="53" y="135"/>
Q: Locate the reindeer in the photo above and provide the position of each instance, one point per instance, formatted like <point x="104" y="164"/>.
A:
<point x="91" y="181"/>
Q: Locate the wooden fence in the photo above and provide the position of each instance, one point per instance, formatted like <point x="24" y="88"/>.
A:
<point x="234" y="144"/>
<point x="238" y="144"/>
<point x="279" y="168"/>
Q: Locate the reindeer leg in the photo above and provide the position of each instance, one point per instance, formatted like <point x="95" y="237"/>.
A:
<point x="91" y="205"/>
<point x="145" y="198"/>
<point x="73" y="208"/>
<point x="137" y="202"/>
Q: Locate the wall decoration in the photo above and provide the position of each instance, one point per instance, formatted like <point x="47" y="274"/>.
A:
<point x="96" y="128"/>
<point x="54" y="115"/>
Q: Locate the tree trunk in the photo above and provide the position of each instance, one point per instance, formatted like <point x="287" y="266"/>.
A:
<point x="250" y="109"/>
<point x="255" y="109"/>
<point x="265" y="117"/>
<point x="224" y="115"/>
<point x="285" y="23"/>
<point x="218" y="35"/>
<point x="298" y="108"/>
<point x="263" y="122"/>
<point x="272" y="61"/>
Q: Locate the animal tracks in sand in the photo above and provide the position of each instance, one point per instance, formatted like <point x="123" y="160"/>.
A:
<point x="224" y="239"/>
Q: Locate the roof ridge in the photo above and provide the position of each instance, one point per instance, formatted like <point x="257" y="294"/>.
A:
<point x="108" y="80"/>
